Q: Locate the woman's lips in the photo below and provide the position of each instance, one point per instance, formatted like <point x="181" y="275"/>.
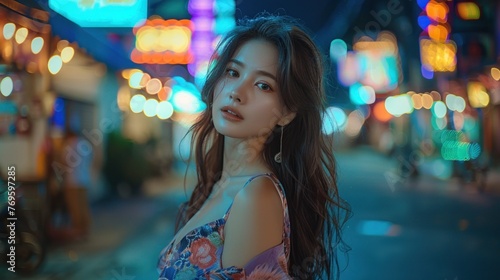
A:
<point x="231" y="113"/>
<point x="231" y="117"/>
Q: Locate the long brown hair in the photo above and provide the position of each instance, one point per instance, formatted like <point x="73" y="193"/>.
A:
<point x="308" y="169"/>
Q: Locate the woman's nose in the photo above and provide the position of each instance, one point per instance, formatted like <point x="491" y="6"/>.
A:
<point x="234" y="95"/>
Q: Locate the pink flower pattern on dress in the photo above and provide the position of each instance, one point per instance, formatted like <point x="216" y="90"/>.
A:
<point x="203" y="253"/>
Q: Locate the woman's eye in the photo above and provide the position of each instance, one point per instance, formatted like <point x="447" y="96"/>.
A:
<point x="264" y="87"/>
<point x="232" y="72"/>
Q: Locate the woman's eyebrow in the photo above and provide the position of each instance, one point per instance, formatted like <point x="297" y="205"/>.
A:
<point x="261" y="72"/>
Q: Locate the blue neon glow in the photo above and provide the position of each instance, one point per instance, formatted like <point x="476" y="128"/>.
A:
<point x="422" y="3"/>
<point x="102" y="13"/>
<point x="354" y="94"/>
<point x="391" y="66"/>
<point x="427" y="73"/>
<point x="224" y="25"/>
<point x="58" y="118"/>
<point x="8" y="108"/>
<point x="378" y="228"/>
<point x="334" y="120"/>
<point x="423" y="22"/>
<point x="186" y="97"/>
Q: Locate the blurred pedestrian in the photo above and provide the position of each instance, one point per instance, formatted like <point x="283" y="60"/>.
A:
<point x="266" y="204"/>
<point x="77" y="155"/>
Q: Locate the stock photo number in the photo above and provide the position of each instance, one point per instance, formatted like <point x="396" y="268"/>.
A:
<point x="11" y="218"/>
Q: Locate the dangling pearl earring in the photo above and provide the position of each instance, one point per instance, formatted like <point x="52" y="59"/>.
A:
<point x="277" y="157"/>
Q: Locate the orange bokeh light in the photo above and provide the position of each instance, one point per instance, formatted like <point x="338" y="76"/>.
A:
<point x="438" y="32"/>
<point x="161" y="41"/>
<point x="164" y="93"/>
<point x="380" y="113"/>
<point x="437" y="11"/>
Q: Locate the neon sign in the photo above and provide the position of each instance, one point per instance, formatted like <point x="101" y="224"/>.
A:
<point x="101" y="13"/>
<point x="161" y="41"/>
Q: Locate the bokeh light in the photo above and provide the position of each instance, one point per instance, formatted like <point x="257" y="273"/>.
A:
<point x="145" y="78"/>
<point x="8" y="30"/>
<point x="21" y="35"/>
<point x="495" y="73"/>
<point x="422" y="3"/>
<point x="349" y="69"/>
<point x="164" y="110"/>
<point x="478" y="97"/>
<point x="380" y="113"/>
<point x="424" y="21"/>
<point x="439" y="109"/>
<point x="438" y="32"/>
<point x="468" y="10"/>
<point x="161" y="41"/>
<point x="426" y="73"/>
<point x="427" y="101"/>
<point x="361" y="95"/>
<point x="442" y="123"/>
<point x="126" y="73"/>
<point x="417" y="101"/>
<point x="399" y="104"/>
<point x="61" y="44"/>
<point x="36" y="44"/>
<point x="55" y="64"/>
<point x="165" y="93"/>
<point x="437" y="11"/>
<point x="334" y="120"/>
<point x="452" y="135"/>
<point x="135" y="80"/>
<point x="150" y="107"/>
<point x="338" y="49"/>
<point x="454" y="103"/>
<point x="6" y="86"/>
<point x="367" y="94"/>
<point x="153" y="86"/>
<point x="67" y="54"/>
<point x="185" y="101"/>
<point x="438" y="56"/>
<point x="355" y="122"/>
<point x="137" y="103"/>
<point x="460" y="151"/>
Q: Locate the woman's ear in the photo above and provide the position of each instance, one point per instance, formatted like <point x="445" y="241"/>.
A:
<point x="287" y="118"/>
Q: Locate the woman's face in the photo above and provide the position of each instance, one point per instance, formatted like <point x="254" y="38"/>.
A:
<point x="248" y="88"/>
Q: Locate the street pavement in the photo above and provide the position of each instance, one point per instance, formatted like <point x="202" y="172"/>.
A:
<point x="419" y="229"/>
<point x="408" y="228"/>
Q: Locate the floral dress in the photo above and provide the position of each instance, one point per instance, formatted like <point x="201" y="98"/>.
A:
<point x="198" y="255"/>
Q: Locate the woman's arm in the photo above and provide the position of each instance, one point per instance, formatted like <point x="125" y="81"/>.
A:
<point x="255" y="223"/>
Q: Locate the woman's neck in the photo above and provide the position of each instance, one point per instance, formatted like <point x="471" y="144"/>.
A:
<point x="243" y="157"/>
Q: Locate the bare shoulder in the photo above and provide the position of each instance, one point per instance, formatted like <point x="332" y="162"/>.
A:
<point x="259" y="191"/>
<point x="255" y="222"/>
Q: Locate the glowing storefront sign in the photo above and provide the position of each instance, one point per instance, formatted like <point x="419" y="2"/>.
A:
<point x="102" y="13"/>
<point x="161" y="41"/>
<point x="373" y="67"/>
<point x="438" y="57"/>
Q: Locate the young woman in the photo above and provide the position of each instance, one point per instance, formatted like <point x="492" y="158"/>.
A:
<point x="266" y="205"/>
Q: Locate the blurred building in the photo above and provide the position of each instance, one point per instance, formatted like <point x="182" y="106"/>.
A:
<point x="425" y="76"/>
